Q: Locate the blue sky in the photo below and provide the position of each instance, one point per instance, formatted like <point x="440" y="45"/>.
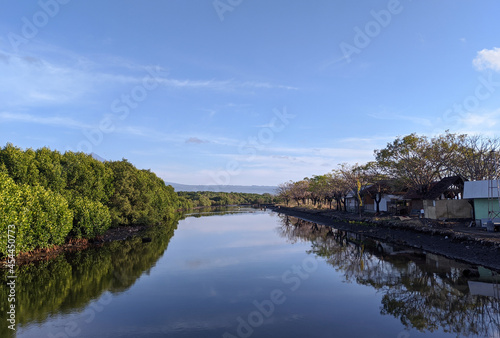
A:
<point x="244" y="92"/>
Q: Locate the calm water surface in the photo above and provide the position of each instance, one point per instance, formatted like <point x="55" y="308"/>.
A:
<point x="252" y="273"/>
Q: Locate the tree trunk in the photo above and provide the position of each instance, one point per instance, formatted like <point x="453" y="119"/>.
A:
<point x="377" y="199"/>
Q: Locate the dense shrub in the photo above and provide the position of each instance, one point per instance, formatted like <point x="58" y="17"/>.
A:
<point x="87" y="177"/>
<point x="20" y="165"/>
<point x="90" y="218"/>
<point x="47" y="195"/>
<point x="41" y="217"/>
<point x="140" y="197"/>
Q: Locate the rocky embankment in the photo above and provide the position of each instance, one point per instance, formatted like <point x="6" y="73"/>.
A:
<point x="453" y="239"/>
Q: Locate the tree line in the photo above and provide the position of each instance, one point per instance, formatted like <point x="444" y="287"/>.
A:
<point x="411" y="162"/>
<point x="210" y="198"/>
<point x="50" y="197"/>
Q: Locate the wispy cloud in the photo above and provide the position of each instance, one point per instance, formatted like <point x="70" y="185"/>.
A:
<point x="479" y="123"/>
<point x="60" y="79"/>
<point x="413" y="119"/>
<point x="28" y="81"/>
<point x="488" y="59"/>
<point x="47" y="120"/>
<point x="221" y="84"/>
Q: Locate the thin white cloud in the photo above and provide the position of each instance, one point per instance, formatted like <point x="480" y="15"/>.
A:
<point x="268" y="167"/>
<point x="220" y="84"/>
<point x="479" y="123"/>
<point x="29" y="81"/>
<point x="266" y="85"/>
<point x="488" y="59"/>
<point x="413" y="119"/>
<point x="44" y="120"/>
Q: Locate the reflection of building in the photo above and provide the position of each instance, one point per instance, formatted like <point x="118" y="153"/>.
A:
<point x="484" y="289"/>
<point x="487" y="284"/>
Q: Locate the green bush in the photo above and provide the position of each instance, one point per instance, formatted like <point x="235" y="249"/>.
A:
<point x="98" y="194"/>
<point x="140" y="197"/>
<point x="90" y="219"/>
<point x="41" y="217"/>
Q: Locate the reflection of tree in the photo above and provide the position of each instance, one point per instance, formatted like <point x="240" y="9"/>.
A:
<point x="422" y="296"/>
<point x="70" y="282"/>
<point x="219" y="211"/>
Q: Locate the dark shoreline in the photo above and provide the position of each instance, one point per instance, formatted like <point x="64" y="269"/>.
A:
<point x="454" y="240"/>
<point x="120" y="233"/>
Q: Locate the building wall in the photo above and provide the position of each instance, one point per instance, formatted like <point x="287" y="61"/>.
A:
<point x="351" y="205"/>
<point x="447" y="209"/>
<point x="481" y="207"/>
<point x="384" y="201"/>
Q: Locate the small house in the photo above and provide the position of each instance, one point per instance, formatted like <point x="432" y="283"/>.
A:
<point x="387" y="194"/>
<point x="442" y="200"/>
<point x="485" y="198"/>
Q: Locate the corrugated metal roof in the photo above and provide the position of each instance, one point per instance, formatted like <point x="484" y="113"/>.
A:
<point x="479" y="189"/>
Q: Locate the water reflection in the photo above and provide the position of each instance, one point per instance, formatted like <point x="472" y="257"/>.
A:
<point x="424" y="291"/>
<point x="70" y="282"/>
<point x="220" y="211"/>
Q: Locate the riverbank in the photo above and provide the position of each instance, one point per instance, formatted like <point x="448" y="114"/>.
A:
<point x="120" y="233"/>
<point x="455" y="240"/>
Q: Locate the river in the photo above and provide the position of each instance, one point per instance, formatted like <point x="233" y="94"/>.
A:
<point x="244" y="272"/>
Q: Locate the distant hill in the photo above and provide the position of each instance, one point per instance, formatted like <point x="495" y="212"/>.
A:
<point x="250" y="189"/>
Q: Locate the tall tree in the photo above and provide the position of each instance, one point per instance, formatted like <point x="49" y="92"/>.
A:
<point x="284" y="191"/>
<point x="318" y="188"/>
<point x="415" y="160"/>
<point x="379" y="183"/>
<point x="357" y="179"/>
<point x="476" y="157"/>
<point x="300" y="191"/>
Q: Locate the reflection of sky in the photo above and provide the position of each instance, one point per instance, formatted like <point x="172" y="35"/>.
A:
<point x="213" y="270"/>
<point x="216" y="242"/>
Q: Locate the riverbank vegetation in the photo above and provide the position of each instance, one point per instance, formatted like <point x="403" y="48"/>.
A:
<point x="50" y="197"/>
<point x="411" y="162"/>
<point x="210" y="198"/>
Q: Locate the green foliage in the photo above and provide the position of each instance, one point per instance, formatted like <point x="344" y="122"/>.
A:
<point x="50" y="169"/>
<point x="90" y="219"/>
<point x="41" y="218"/>
<point x="87" y="177"/>
<point x="21" y="165"/>
<point x="47" y="195"/>
<point x="210" y="198"/>
<point x="141" y="197"/>
<point x="204" y="201"/>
